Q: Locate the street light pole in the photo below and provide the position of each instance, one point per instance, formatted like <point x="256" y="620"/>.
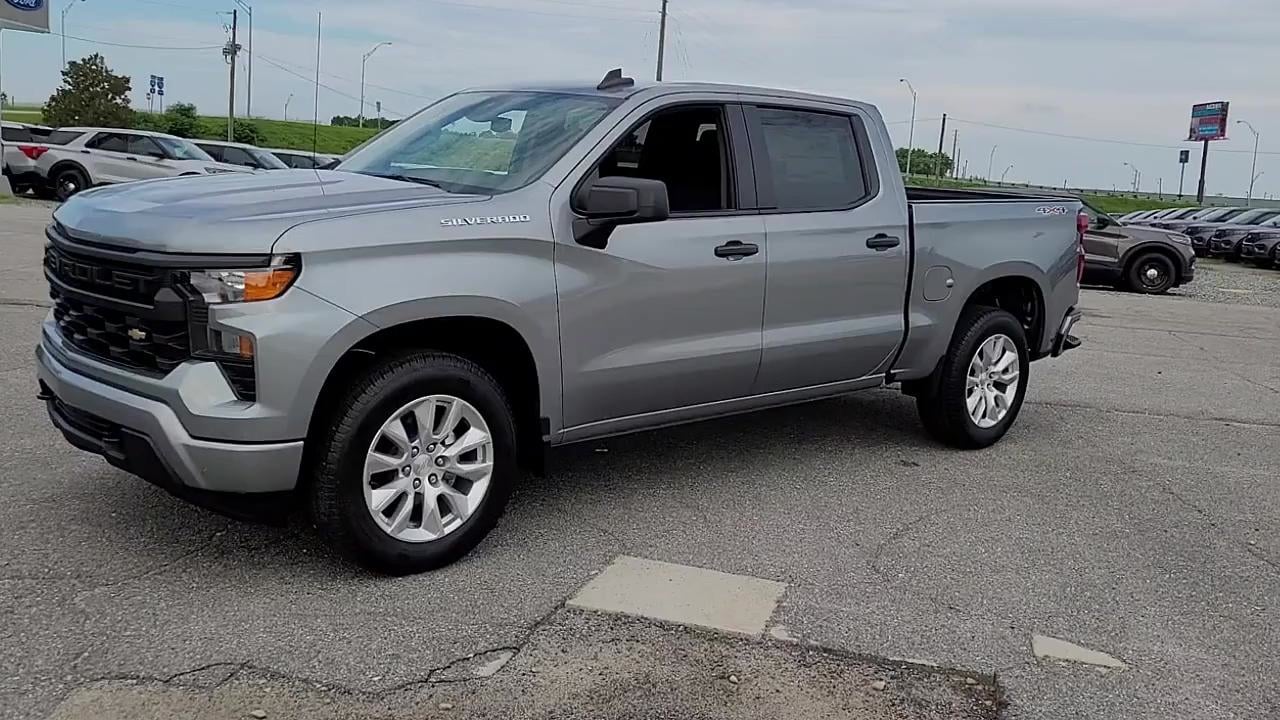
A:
<point x="1253" y="172"/>
<point x="248" y="103"/>
<point x="991" y="162"/>
<point x="911" y="136"/>
<point x="1137" y="176"/>
<point x="66" y="10"/>
<point x="1005" y="174"/>
<point x="363" y="62"/>
<point x="286" y="106"/>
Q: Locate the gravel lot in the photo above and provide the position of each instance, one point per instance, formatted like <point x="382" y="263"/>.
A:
<point x="1218" y="281"/>
<point x="1132" y="511"/>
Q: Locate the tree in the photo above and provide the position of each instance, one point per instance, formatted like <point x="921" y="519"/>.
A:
<point x="344" y="121"/>
<point x="4" y="100"/>
<point x="90" y="95"/>
<point x="246" y="131"/>
<point x="181" y="119"/>
<point x="924" y="162"/>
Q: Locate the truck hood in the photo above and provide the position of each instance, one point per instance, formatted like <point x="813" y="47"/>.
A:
<point x="234" y="213"/>
<point x="1142" y="234"/>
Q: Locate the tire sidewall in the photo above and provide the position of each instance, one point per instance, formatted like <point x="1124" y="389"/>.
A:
<point x="81" y="182"/>
<point x="997" y="323"/>
<point x="1136" y="269"/>
<point x="401" y="389"/>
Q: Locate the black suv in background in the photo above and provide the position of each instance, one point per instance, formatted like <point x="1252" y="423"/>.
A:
<point x="1142" y="259"/>
<point x="1223" y="239"/>
<point x="1261" y="246"/>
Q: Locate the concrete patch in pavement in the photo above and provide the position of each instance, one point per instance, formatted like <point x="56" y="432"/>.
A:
<point x="682" y="594"/>
<point x="1051" y="648"/>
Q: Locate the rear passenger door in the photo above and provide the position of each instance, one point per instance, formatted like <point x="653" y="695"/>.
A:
<point x="837" y="245"/>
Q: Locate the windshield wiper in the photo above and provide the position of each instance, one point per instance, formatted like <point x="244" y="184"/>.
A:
<point x="411" y="179"/>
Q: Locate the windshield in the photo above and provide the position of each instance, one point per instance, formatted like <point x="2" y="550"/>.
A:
<point x="1221" y="214"/>
<point x="485" y="142"/>
<point x="1254" y="217"/>
<point x="182" y="149"/>
<point x="266" y="160"/>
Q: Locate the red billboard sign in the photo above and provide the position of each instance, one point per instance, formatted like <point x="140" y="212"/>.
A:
<point x="1209" y="121"/>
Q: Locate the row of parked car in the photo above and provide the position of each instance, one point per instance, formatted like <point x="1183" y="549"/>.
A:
<point x="1237" y="234"/>
<point x="58" y="163"/>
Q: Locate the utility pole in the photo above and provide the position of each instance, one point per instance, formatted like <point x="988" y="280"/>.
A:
<point x="662" y="40"/>
<point x="955" y="154"/>
<point x="248" y="102"/>
<point x="942" y="138"/>
<point x="230" y="52"/>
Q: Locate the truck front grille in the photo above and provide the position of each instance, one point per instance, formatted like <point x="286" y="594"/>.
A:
<point x="128" y="315"/>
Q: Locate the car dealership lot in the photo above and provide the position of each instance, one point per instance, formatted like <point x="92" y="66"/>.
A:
<point x="1132" y="511"/>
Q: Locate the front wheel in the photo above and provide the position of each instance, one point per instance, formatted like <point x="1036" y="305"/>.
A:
<point x="1152" y="273"/>
<point x="417" y="466"/>
<point x="980" y="386"/>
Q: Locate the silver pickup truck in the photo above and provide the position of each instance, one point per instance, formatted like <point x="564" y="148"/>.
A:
<point x="391" y="345"/>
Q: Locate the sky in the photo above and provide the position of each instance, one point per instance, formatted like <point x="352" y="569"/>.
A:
<point x="1125" y="71"/>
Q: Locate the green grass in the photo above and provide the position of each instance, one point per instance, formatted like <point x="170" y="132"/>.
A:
<point x="7" y="200"/>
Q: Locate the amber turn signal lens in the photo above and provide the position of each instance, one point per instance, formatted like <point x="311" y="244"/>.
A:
<point x="267" y="284"/>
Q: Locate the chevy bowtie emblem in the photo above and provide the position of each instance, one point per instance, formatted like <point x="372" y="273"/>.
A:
<point x="136" y="334"/>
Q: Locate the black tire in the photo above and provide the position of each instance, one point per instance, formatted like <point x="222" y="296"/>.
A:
<point x="942" y="408"/>
<point x="1139" y="274"/>
<point x="68" y="181"/>
<point x="338" y="507"/>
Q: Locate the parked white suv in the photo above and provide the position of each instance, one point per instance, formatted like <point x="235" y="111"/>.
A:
<point x="18" y="161"/>
<point x="100" y="156"/>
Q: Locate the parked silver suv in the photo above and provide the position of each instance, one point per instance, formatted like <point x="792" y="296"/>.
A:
<point x="104" y="156"/>
<point x="241" y="154"/>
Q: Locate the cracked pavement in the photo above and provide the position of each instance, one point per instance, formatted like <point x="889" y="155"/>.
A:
<point x="1132" y="511"/>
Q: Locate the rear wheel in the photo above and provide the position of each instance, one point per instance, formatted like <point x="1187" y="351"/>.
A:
<point x="69" y="181"/>
<point x="1151" y="273"/>
<point x="418" y="464"/>
<point x="980" y="386"/>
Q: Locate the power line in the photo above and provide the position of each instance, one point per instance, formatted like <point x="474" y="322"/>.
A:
<point x="525" y="11"/>
<point x="1084" y="138"/>
<point x="331" y="89"/>
<point x="136" y="47"/>
<point x="349" y="80"/>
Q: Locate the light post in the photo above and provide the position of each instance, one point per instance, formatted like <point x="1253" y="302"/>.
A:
<point x="1005" y="174"/>
<point x="1253" y="172"/>
<point x="911" y="135"/>
<point x="363" y="63"/>
<point x="65" y="10"/>
<point x="286" y="106"/>
<point x="991" y="162"/>
<point x="1137" y="176"/>
<point x="248" y="103"/>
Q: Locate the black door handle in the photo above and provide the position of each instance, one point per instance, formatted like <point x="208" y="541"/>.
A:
<point x="736" y="250"/>
<point x="883" y="242"/>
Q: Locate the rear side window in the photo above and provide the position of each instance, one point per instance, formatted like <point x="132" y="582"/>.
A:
<point x="15" y="134"/>
<point x="813" y="159"/>
<point x="112" y="142"/>
<point x="61" y="137"/>
<point x="214" y="151"/>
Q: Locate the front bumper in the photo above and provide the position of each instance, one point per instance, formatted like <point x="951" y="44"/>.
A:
<point x="1224" y="246"/>
<point x="1253" y="253"/>
<point x="145" y="437"/>
<point x="1064" y="340"/>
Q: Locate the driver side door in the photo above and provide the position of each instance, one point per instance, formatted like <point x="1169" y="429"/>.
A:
<point x="666" y="319"/>
<point x="148" y="159"/>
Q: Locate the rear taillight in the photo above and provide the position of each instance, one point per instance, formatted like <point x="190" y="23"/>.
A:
<point x="33" y="151"/>
<point x="1082" y="227"/>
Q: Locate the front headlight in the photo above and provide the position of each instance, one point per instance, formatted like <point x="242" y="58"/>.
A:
<point x="1180" y="239"/>
<point x="250" y="285"/>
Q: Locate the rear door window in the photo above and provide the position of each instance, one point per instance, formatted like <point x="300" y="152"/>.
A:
<point x="110" y="142"/>
<point x="813" y="160"/>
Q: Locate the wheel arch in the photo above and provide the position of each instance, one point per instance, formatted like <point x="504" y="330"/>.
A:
<point x="496" y="345"/>
<point x="62" y="165"/>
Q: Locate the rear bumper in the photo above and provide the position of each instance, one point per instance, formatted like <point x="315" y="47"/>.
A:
<point x="144" y="437"/>
<point x="1064" y="340"/>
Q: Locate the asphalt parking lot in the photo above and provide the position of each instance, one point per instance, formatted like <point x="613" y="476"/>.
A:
<point x="1132" y="511"/>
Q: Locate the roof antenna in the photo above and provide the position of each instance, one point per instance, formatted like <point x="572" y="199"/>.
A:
<point x="614" y="80"/>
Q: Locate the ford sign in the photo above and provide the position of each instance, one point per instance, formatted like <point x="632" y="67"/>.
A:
<point x="29" y="5"/>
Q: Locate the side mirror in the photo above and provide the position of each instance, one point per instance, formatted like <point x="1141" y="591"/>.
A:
<point x="613" y="201"/>
<point x="332" y="164"/>
<point x="1103" y="222"/>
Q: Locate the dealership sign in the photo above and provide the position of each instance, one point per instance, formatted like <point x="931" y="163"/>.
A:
<point x="30" y="15"/>
<point x="1209" y="121"/>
